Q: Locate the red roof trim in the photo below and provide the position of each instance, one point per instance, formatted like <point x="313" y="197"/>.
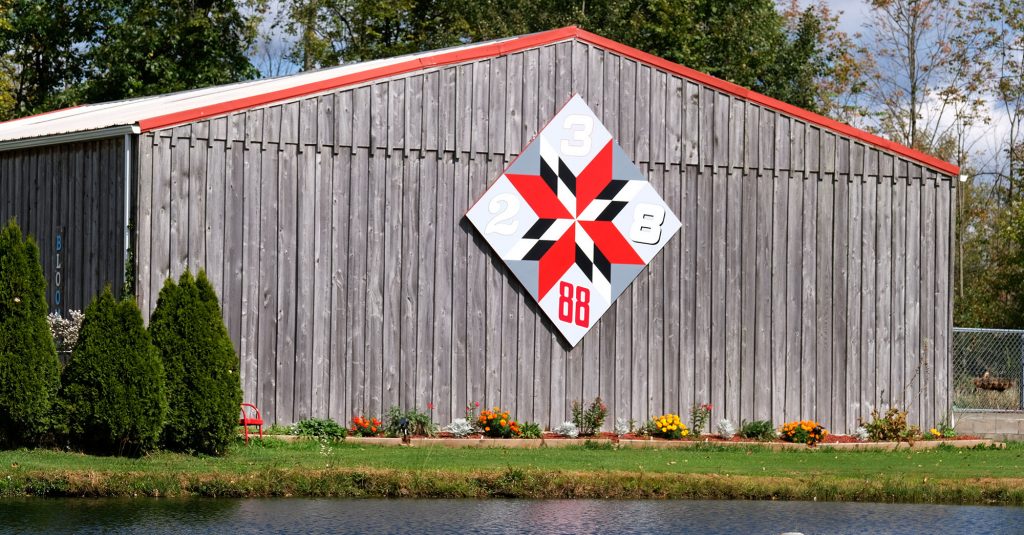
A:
<point x="445" y="58"/>
<point x="530" y="41"/>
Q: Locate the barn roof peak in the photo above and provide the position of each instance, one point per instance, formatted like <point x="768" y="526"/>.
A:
<point x="160" y="111"/>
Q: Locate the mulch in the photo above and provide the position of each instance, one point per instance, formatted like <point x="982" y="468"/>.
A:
<point x="829" y="439"/>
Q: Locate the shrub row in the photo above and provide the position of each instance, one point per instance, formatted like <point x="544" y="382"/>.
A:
<point x="125" y="389"/>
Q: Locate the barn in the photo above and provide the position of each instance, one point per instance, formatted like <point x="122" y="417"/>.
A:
<point x="339" y="214"/>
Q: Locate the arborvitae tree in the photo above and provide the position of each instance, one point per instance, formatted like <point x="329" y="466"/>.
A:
<point x="203" y="387"/>
<point x="113" y="387"/>
<point x="29" y="374"/>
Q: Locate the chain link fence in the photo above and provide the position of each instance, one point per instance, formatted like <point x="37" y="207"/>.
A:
<point x="988" y="369"/>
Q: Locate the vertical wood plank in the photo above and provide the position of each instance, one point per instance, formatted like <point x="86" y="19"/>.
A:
<point x="927" y="274"/>
<point x="691" y="130"/>
<point x="688" y="288"/>
<point x="444" y="288"/>
<point x="703" y="281"/>
<point x="794" y="298"/>
<point x="763" y="307"/>
<point x="899" y="292"/>
<point x="840" y="314"/>
<point x="824" y="388"/>
<point x="143" y="221"/>
<point x="338" y="171"/>
<point x="429" y="203"/>
<point x="322" y="286"/>
<point x="287" y="274"/>
<point x="749" y="328"/>
<point x="308" y="363"/>
<point x="853" y="301"/>
<point x="912" y="361"/>
<point x="267" y="258"/>
<point x="671" y="295"/>
<point x="883" y="290"/>
<point x="779" y="298"/>
<point x="393" y="220"/>
<point x="375" y="354"/>
<point x="356" y="334"/>
<point x="867" y="281"/>
<point x="719" y="237"/>
<point x="245" y="174"/>
<point x="409" y="284"/>
<point x="808" y="306"/>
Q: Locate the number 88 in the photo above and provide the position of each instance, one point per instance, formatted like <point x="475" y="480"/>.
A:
<point x="582" y="305"/>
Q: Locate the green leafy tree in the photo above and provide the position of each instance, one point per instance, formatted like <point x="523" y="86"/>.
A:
<point x="43" y="44"/>
<point x="203" y="386"/>
<point x="28" y="359"/>
<point x="748" y="42"/>
<point x="149" y="48"/>
<point x="113" y="387"/>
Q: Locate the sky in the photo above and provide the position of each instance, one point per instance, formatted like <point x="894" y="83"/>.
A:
<point x="853" y="18"/>
<point x="986" y="139"/>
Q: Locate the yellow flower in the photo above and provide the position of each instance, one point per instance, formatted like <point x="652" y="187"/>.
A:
<point x="935" y="432"/>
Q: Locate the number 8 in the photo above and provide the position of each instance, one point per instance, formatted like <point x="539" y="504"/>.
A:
<point x="647" y="221"/>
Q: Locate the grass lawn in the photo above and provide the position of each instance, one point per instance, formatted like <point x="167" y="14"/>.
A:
<point x="275" y="468"/>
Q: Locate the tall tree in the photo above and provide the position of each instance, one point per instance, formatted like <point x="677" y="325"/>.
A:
<point x="1007" y="84"/>
<point x="748" y="42"/>
<point x="930" y="62"/>
<point x="42" y="45"/>
<point x="149" y="48"/>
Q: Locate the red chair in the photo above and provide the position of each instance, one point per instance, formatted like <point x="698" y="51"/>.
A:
<point x="246" y="420"/>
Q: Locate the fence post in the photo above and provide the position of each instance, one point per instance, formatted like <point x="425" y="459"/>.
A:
<point x="1020" y="380"/>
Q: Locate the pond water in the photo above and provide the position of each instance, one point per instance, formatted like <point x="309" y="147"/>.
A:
<point x="151" y="516"/>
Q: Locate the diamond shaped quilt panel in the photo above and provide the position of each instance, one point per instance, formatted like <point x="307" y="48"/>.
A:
<point x="574" y="219"/>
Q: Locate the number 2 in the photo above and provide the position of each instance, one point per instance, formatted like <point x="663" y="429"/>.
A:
<point x="506" y="206"/>
<point x="566" y="309"/>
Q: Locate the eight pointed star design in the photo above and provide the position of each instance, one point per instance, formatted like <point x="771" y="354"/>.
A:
<point x="575" y="220"/>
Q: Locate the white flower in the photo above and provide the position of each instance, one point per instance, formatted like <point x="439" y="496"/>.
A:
<point x="17" y="299"/>
<point x="567" y="429"/>
<point x="459" y="427"/>
<point x="725" y="428"/>
<point x="621" y="426"/>
<point x="861" y="433"/>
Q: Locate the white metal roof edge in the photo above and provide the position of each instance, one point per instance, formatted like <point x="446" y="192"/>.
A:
<point x="69" y="137"/>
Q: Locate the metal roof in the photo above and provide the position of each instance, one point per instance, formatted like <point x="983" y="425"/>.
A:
<point x="151" y="113"/>
<point x="138" y="111"/>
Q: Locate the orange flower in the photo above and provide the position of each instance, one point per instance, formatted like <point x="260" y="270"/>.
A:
<point x="504" y="423"/>
<point x="487" y="429"/>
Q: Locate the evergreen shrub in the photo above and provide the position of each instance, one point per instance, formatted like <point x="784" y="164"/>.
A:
<point x="113" y="386"/>
<point x="29" y="376"/>
<point x="203" y="387"/>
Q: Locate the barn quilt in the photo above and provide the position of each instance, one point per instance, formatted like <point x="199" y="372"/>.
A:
<point x="574" y="219"/>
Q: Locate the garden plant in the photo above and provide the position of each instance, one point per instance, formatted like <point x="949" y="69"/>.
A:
<point x="589" y="420"/>
<point x="113" y="387"/>
<point x="28" y="359"/>
<point x="805" y="431"/>
<point x="203" y="385"/>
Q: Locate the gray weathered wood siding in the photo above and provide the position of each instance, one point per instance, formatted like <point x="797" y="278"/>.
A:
<point x="77" y="189"/>
<point x="810" y="278"/>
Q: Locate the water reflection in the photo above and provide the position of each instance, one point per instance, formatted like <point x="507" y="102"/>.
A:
<point x="546" y="517"/>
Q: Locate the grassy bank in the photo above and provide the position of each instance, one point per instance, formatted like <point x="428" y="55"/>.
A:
<point x="946" y="475"/>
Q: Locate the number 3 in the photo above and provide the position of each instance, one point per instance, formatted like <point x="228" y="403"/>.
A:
<point x="582" y="126"/>
<point x="647" y="221"/>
